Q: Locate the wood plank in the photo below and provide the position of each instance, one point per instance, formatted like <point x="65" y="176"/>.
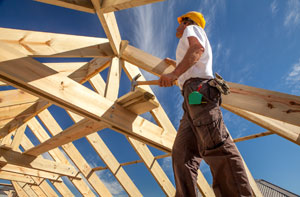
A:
<point x="19" y="190"/>
<point x="153" y="166"/>
<point x="60" y="186"/>
<point x="2" y="84"/>
<point x="116" y="5"/>
<point x="283" y="129"/>
<point x="37" y="190"/>
<point x="16" y="158"/>
<point x="31" y="172"/>
<point x="15" y="97"/>
<point x="113" y="79"/>
<point x="138" y="101"/>
<point x="158" y="113"/>
<point x="275" y="105"/>
<point x="89" y="69"/>
<point x="146" y="61"/>
<point x="20" y="132"/>
<point x="76" y="131"/>
<point x="48" y="189"/>
<point x="28" y="189"/>
<point x="203" y="186"/>
<point x="75" y="155"/>
<point x="110" y="26"/>
<point x="58" y="156"/>
<point x="98" y="84"/>
<point x="115" y="167"/>
<point x="46" y="83"/>
<point x="249" y="137"/>
<point x="10" y="112"/>
<point x="80" y="5"/>
<point x="16" y="177"/>
<point x="256" y="191"/>
<point x="34" y="43"/>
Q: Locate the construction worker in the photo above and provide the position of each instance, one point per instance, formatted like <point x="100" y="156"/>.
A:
<point x="202" y="133"/>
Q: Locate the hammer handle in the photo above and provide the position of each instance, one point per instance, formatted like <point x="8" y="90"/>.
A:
<point x="153" y="82"/>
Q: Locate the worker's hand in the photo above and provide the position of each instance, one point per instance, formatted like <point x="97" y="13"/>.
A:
<point x="167" y="80"/>
<point x="170" y="61"/>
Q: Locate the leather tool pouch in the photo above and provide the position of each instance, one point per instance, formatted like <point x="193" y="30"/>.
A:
<point x="220" y="84"/>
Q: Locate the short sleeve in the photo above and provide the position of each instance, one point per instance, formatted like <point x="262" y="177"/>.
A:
<point x="193" y="30"/>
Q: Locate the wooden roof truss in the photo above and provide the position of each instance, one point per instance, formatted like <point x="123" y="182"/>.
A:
<point x="39" y="85"/>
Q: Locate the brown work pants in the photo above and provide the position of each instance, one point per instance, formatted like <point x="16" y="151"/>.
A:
<point x="202" y="135"/>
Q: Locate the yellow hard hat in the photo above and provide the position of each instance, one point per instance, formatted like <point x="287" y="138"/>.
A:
<point x="197" y="17"/>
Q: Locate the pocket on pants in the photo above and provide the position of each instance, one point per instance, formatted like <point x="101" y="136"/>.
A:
<point x="210" y="129"/>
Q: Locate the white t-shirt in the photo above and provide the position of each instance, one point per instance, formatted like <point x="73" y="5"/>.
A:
<point x="201" y="69"/>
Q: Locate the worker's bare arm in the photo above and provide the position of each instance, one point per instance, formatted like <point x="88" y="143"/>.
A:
<point x="192" y="55"/>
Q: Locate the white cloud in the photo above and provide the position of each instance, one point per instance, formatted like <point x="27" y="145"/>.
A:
<point x="274" y="7"/>
<point x="111" y="183"/>
<point x="210" y="10"/>
<point x="167" y="165"/>
<point x="292" y="16"/>
<point x="293" y="78"/>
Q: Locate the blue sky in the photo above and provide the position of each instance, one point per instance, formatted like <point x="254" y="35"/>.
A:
<point x="255" y="43"/>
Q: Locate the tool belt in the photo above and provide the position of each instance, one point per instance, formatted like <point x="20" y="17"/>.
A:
<point x="220" y="84"/>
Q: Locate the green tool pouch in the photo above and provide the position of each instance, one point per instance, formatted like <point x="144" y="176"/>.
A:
<point x="220" y="84"/>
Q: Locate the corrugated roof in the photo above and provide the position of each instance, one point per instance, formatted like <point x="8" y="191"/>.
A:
<point x="271" y="190"/>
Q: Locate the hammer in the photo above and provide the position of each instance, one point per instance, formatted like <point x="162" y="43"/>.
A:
<point x="135" y="83"/>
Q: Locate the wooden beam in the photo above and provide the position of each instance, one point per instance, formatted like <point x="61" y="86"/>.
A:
<point x="146" y="61"/>
<point x="80" y="75"/>
<point x="158" y="113"/>
<point x="153" y="166"/>
<point x="116" y="5"/>
<point x="20" y="132"/>
<point x="131" y="162"/>
<point x="19" y="190"/>
<point x="2" y="84"/>
<point x="37" y="190"/>
<point x="15" y="97"/>
<point x="58" y="156"/>
<point x="75" y="155"/>
<point x="16" y="158"/>
<point x="11" y="112"/>
<point x="139" y="101"/>
<point x="110" y="26"/>
<point x="113" y="79"/>
<point x="103" y="151"/>
<point x="80" y="5"/>
<point x="90" y="69"/>
<point x="249" y="137"/>
<point x="16" y="177"/>
<point x="98" y="84"/>
<point x="33" y="43"/>
<point x="275" y="105"/>
<point x="115" y="167"/>
<point x="28" y="189"/>
<point x="60" y="186"/>
<point x="31" y="172"/>
<point x="47" y="189"/>
<point x="77" y="131"/>
<point x="46" y="83"/>
<point x="283" y="129"/>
